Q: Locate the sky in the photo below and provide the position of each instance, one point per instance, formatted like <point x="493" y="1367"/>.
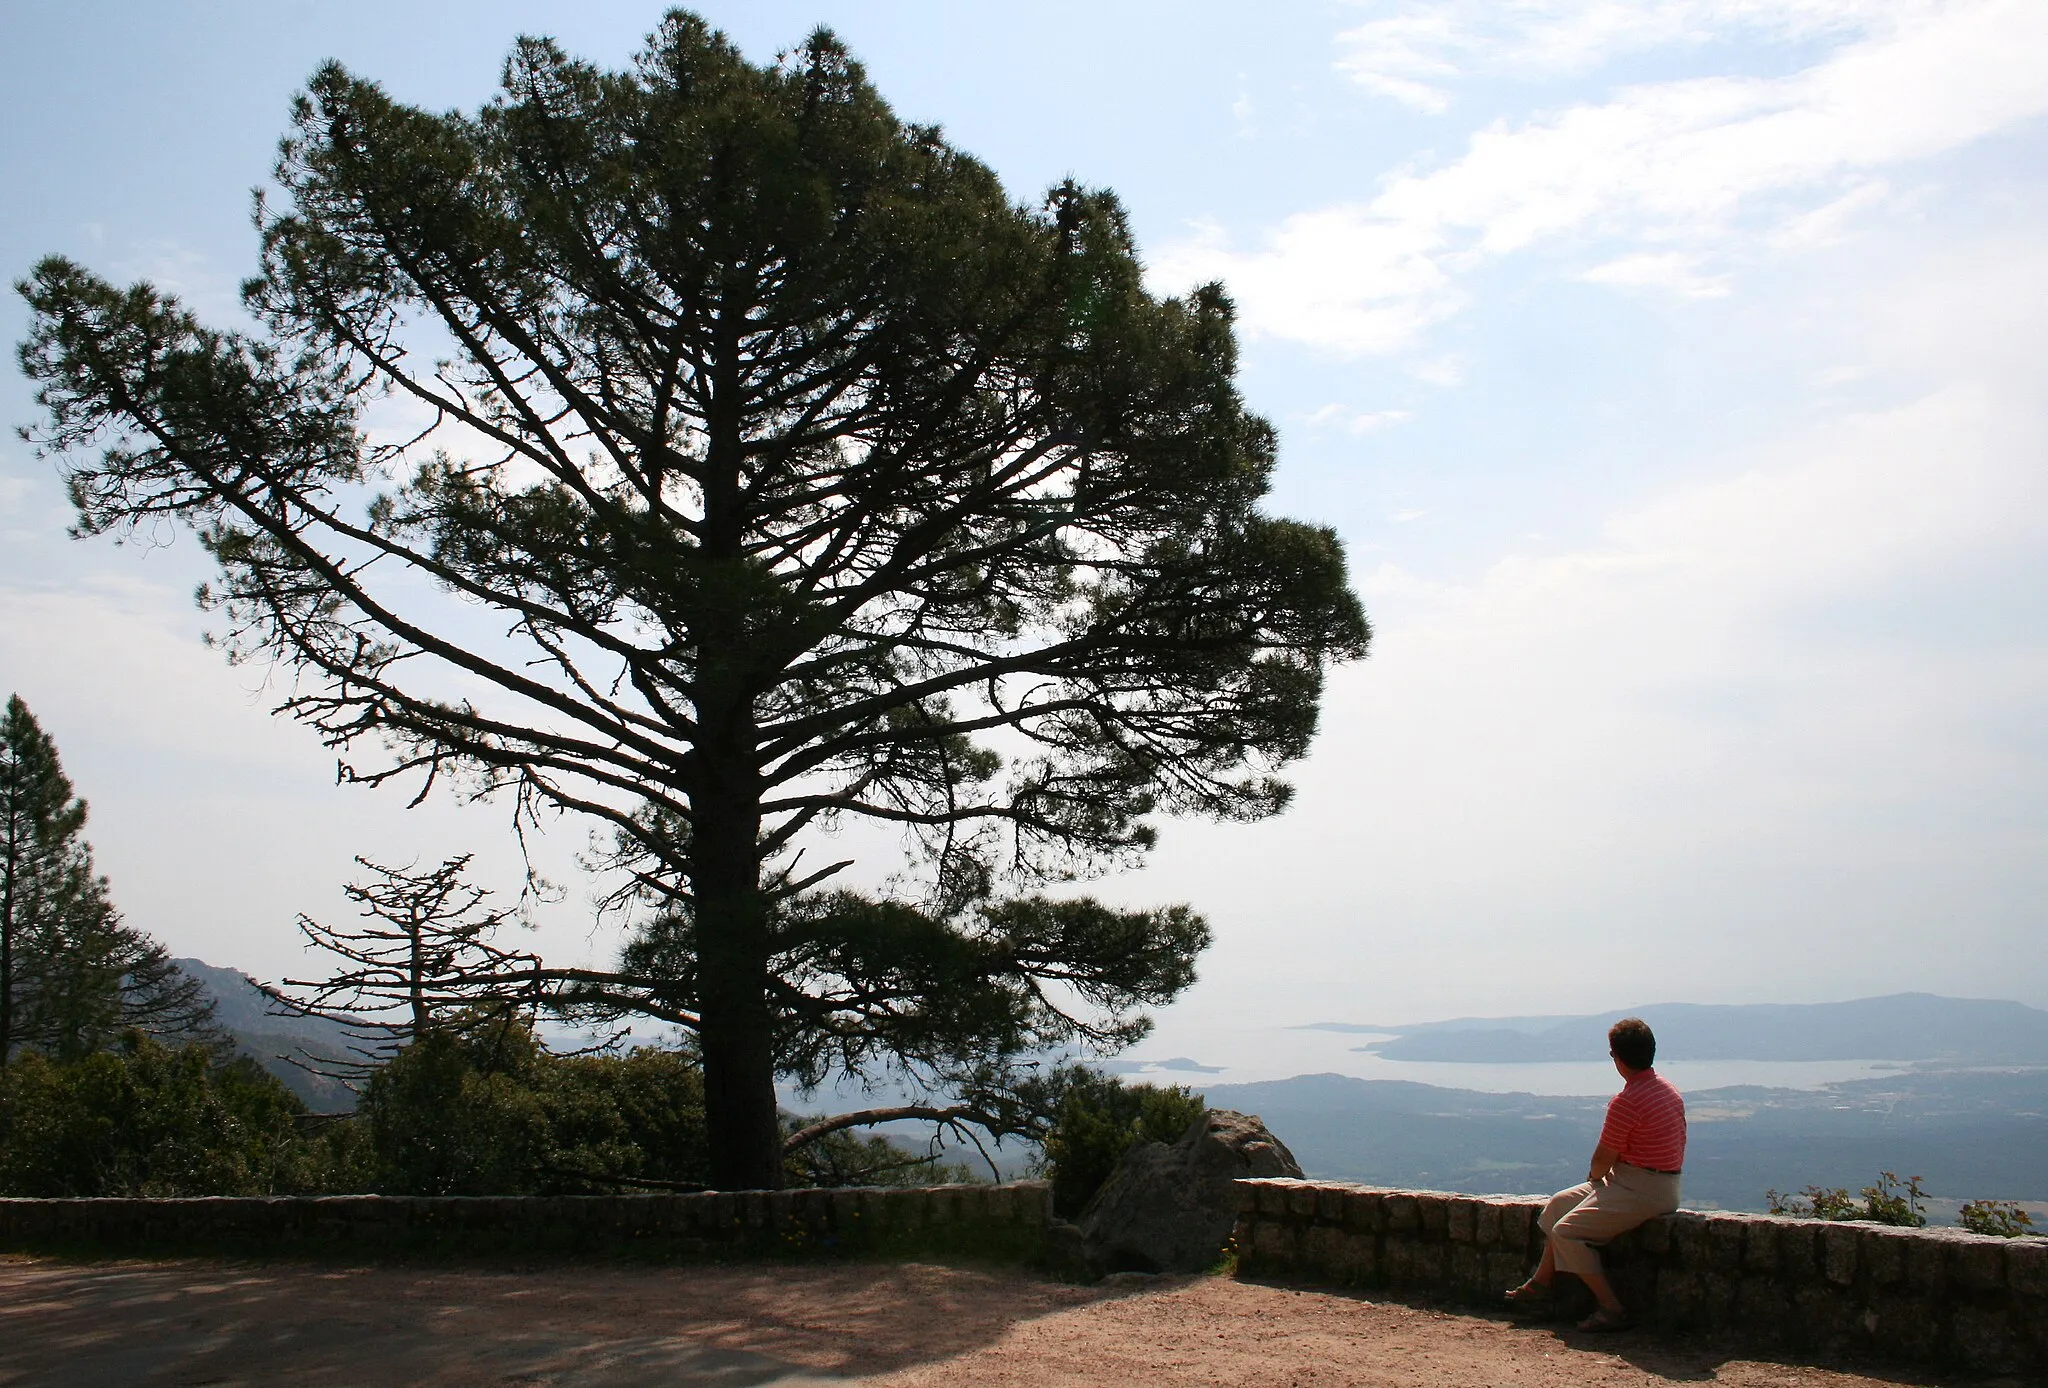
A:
<point x="1672" y="372"/>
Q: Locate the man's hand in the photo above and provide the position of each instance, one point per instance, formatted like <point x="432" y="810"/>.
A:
<point x="1603" y="1162"/>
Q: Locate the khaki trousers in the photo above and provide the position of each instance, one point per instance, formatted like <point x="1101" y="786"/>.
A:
<point x="1595" y="1212"/>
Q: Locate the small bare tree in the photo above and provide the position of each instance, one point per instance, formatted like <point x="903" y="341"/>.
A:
<point x="424" y="960"/>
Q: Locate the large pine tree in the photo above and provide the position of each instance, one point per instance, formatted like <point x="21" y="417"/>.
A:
<point x="779" y="473"/>
<point x="73" y="977"/>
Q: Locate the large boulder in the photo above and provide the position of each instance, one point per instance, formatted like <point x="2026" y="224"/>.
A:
<point x="1169" y="1208"/>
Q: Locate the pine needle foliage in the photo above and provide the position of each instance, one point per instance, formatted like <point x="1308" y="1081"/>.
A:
<point x="752" y="465"/>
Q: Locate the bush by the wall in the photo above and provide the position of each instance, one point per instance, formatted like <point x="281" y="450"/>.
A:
<point x="1099" y="1118"/>
<point x="1889" y="1201"/>
<point x="2003" y="1218"/>
<point x="148" y="1120"/>
<point x="489" y="1112"/>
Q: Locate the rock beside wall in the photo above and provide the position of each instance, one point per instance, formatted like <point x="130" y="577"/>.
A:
<point x="1920" y="1295"/>
<point x="1170" y="1208"/>
<point x="1000" y="1221"/>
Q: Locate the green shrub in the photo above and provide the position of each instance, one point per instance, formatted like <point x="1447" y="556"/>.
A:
<point x="489" y="1112"/>
<point x="1889" y="1201"/>
<point x="148" y="1120"/>
<point x="1097" y="1119"/>
<point x="2001" y="1217"/>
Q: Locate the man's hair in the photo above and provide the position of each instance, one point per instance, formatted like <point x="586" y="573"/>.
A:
<point x="1631" y="1042"/>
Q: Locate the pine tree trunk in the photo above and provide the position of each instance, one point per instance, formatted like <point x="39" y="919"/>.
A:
<point x="10" y="895"/>
<point x="741" y="1119"/>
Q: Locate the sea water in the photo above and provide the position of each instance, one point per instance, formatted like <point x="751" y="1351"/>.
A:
<point x="1252" y="1054"/>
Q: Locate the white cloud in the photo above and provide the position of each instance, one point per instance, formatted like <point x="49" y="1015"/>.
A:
<point x="1673" y="180"/>
<point x="1355" y="421"/>
<point x="1673" y="271"/>
<point x="1447" y="370"/>
<point x="1676" y="731"/>
<point x="1416" y="54"/>
<point x="1339" y="278"/>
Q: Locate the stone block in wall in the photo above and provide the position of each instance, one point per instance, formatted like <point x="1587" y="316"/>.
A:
<point x="1505" y="1269"/>
<point x="1468" y="1269"/>
<point x="1760" y="1243"/>
<point x="1799" y="1250"/>
<point x="1518" y="1226"/>
<point x="1838" y="1244"/>
<point x="1273" y="1250"/>
<point x="1976" y="1261"/>
<point x="910" y="1209"/>
<point x="1461" y="1220"/>
<point x="1882" y="1254"/>
<point x="1330" y="1203"/>
<point x="847" y="1220"/>
<point x="1301" y="1200"/>
<point x="753" y="1209"/>
<point x="1718" y="1290"/>
<point x="1435" y="1213"/>
<point x="873" y="1210"/>
<point x="1485" y="1223"/>
<point x="1321" y="1252"/>
<point x="1722" y="1247"/>
<point x="1430" y="1264"/>
<point x="1275" y="1197"/>
<point x="1404" y="1216"/>
<point x="1681" y="1298"/>
<point x="1926" y="1266"/>
<point x="1984" y="1339"/>
<point x="1656" y="1236"/>
<point x="1397" y="1260"/>
<point x="1365" y="1211"/>
<point x="720" y="1210"/>
<point x="1359" y="1259"/>
<point x="1763" y="1308"/>
<point x="1902" y="1325"/>
<point x="1688" y="1234"/>
<point x="1825" y="1317"/>
<point x="2032" y="1315"/>
<point x="2026" y="1268"/>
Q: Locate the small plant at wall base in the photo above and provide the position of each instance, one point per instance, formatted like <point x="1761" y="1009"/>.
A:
<point x="2003" y="1218"/>
<point x="1889" y="1201"/>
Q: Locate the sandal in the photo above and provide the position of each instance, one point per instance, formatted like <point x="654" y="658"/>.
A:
<point x="1604" y="1320"/>
<point x="1530" y="1293"/>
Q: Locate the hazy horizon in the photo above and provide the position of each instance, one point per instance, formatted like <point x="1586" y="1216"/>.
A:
<point x="1671" y="372"/>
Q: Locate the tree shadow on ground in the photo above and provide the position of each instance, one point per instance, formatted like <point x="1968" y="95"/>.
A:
<point x="196" y="1321"/>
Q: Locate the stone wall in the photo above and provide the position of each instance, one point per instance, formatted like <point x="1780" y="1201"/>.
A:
<point x="1929" y="1295"/>
<point x="1002" y="1221"/>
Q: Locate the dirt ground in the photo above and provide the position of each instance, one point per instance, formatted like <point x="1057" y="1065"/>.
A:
<point x="905" y="1325"/>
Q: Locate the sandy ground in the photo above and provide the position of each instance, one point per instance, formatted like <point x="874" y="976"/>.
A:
<point x="215" y="1323"/>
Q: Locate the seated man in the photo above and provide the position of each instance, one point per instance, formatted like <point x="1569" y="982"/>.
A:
<point x="1634" y="1177"/>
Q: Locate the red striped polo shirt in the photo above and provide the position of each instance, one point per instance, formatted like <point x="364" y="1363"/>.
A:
<point x="1646" y="1124"/>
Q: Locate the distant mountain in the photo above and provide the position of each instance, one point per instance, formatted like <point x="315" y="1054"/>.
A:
<point x="1973" y="1134"/>
<point x="1904" y="1026"/>
<point x="269" y="1039"/>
